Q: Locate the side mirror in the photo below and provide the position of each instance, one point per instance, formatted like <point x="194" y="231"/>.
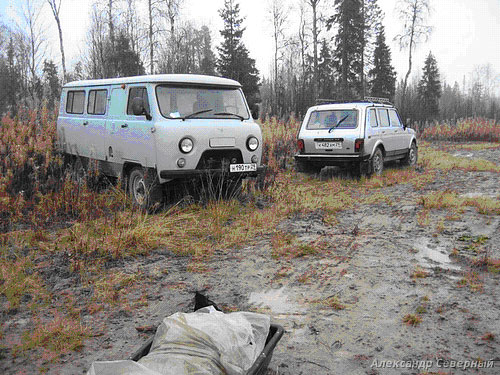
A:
<point x="138" y="108"/>
<point x="255" y="112"/>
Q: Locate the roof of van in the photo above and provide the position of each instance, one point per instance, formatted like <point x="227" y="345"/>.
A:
<point x="158" y="78"/>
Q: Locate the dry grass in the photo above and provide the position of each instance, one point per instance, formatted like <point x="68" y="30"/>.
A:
<point x="419" y="273"/>
<point x="55" y="337"/>
<point x="451" y="200"/>
<point x="412" y="319"/>
<point x="471" y="129"/>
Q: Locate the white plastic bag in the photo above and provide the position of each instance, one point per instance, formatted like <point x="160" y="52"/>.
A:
<point x="206" y="342"/>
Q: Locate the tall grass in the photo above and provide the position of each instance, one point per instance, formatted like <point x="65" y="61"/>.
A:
<point x="470" y="129"/>
<point x="35" y="184"/>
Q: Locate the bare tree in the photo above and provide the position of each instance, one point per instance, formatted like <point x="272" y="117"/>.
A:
<point x="278" y="16"/>
<point x="35" y="42"/>
<point x="132" y="23"/>
<point x="314" y="6"/>
<point x="55" y="6"/>
<point x="414" y="14"/>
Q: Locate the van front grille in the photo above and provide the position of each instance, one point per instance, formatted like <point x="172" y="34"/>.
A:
<point x="219" y="159"/>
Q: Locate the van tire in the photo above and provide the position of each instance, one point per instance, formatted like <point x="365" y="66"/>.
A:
<point x="144" y="188"/>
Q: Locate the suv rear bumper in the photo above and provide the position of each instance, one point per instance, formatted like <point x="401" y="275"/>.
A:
<point x="332" y="160"/>
<point x="193" y="173"/>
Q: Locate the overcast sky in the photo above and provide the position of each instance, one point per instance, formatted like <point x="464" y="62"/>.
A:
<point x="466" y="33"/>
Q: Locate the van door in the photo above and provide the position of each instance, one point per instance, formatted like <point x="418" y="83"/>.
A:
<point x="96" y="122"/>
<point x="73" y="127"/>
<point x="132" y="137"/>
<point x="116" y="115"/>
<point x="140" y="140"/>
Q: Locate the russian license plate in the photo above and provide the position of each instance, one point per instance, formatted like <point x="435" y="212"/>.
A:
<point x="251" y="167"/>
<point x="328" y="145"/>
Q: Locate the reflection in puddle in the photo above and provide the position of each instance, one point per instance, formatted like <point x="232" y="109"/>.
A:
<point x="276" y="300"/>
<point x="437" y="257"/>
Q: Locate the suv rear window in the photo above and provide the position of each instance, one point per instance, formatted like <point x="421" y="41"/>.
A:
<point x="340" y="119"/>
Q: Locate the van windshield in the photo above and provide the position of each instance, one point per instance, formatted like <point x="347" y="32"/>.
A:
<point x="201" y="102"/>
<point x="341" y="119"/>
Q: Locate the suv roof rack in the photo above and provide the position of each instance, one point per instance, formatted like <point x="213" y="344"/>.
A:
<point x="367" y="99"/>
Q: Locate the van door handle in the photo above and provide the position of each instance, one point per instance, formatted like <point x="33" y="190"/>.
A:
<point x="153" y="129"/>
<point x="383" y="132"/>
<point x="85" y="123"/>
<point x="124" y="125"/>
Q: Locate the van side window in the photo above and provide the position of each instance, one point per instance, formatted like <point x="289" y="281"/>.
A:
<point x="97" y="102"/>
<point x="372" y="118"/>
<point x="137" y="92"/>
<point x="383" y="117"/>
<point x="394" y="119"/>
<point x="75" y="102"/>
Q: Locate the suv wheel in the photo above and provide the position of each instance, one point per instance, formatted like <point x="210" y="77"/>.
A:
<point x="411" y="158"/>
<point x="144" y="188"/>
<point x="378" y="162"/>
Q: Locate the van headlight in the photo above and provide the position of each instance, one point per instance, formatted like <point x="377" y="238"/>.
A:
<point x="186" y="145"/>
<point x="252" y="143"/>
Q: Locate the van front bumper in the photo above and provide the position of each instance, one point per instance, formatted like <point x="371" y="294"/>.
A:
<point x="193" y="173"/>
<point x="332" y="160"/>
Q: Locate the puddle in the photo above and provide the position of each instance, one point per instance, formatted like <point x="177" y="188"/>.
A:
<point x="437" y="257"/>
<point x="277" y="300"/>
<point x="463" y="154"/>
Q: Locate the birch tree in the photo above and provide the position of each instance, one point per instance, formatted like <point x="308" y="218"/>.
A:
<point x="414" y="14"/>
<point x="55" y="6"/>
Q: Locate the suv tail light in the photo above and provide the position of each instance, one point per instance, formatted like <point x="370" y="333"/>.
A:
<point x="358" y="144"/>
<point x="300" y="145"/>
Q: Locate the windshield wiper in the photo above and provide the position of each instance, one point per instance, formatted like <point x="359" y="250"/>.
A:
<point x="230" y="114"/>
<point x="338" y="123"/>
<point x="197" y="113"/>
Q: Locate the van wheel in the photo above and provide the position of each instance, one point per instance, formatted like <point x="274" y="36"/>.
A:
<point x="144" y="188"/>
<point x="411" y="158"/>
<point x="378" y="162"/>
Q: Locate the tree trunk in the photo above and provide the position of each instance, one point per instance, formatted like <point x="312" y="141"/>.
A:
<point x="314" y="3"/>
<point x="151" y="49"/>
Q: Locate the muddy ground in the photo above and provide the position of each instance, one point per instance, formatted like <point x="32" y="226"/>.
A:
<point x="372" y="253"/>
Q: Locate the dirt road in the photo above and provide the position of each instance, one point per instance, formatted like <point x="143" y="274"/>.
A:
<point x="344" y="308"/>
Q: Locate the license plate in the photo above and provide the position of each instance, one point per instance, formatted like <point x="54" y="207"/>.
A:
<point x="328" y="145"/>
<point x="251" y="167"/>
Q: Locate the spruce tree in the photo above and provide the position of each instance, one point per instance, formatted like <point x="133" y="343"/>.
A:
<point x="382" y="77"/>
<point x="349" y="43"/>
<point x="429" y="89"/>
<point x="326" y="72"/>
<point x="234" y="61"/>
<point x="207" y="63"/>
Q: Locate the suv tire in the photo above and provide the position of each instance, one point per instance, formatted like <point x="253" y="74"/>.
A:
<point x="411" y="158"/>
<point x="377" y="162"/>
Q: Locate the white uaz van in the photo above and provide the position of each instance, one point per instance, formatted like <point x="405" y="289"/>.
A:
<point x="157" y="128"/>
